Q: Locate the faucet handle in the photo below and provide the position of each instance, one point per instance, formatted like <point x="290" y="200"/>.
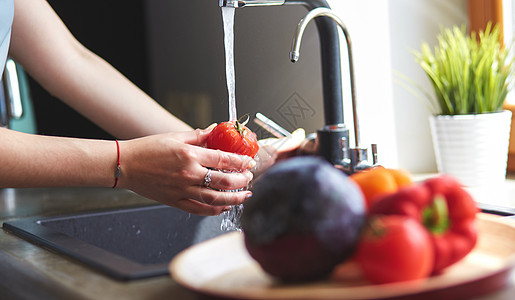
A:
<point x="374" y="153"/>
<point x="359" y="158"/>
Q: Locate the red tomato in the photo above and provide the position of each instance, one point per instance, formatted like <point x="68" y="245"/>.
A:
<point x="395" y="248"/>
<point x="232" y="136"/>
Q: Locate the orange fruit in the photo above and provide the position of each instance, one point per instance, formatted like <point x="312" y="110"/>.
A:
<point x="401" y="177"/>
<point x="379" y="181"/>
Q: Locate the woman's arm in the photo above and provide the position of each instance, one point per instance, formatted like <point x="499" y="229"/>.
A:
<point x="51" y="55"/>
<point x="168" y="164"/>
<point x="168" y="168"/>
<point x="29" y="160"/>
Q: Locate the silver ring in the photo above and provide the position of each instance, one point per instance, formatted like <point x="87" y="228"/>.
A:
<point x="207" y="178"/>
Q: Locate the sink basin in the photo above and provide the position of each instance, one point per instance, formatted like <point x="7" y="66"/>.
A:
<point x="125" y="244"/>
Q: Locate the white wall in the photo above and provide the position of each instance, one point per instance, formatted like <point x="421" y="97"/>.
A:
<point x="383" y="34"/>
<point x="367" y="22"/>
<point x="411" y="23"/>
<point x="509" y="35"/>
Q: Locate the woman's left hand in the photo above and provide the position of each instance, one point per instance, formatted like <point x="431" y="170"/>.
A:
<point x="171" y="168"/>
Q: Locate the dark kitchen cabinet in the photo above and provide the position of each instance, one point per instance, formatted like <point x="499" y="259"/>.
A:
<point x="115" y="30"/>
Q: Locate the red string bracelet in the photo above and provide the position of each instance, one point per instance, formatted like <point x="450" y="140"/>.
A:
<point x="118" y="171"/>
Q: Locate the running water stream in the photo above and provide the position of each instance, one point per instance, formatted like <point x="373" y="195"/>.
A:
<point x="228" y="19"/>
<point x="231" y="219"/>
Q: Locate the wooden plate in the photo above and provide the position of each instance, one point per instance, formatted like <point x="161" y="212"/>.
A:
<point x="221" y="267"/>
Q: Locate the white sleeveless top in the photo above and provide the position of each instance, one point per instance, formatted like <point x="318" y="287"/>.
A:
<point x="6" y="21"/>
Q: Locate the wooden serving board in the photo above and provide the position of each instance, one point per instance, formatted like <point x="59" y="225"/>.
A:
<point x="221" y="267"/>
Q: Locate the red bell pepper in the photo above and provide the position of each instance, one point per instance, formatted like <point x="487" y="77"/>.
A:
<point x="444" y="208"/>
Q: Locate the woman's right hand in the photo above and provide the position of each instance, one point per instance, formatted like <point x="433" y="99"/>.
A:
<point x="170" y="168"/>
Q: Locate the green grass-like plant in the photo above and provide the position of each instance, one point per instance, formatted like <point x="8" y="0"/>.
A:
<point x="468" y="77"/>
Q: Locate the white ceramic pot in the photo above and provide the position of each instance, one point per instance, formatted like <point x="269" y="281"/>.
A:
<point x="473" y="148"/>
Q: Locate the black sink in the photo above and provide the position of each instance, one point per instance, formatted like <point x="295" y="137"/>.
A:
<point x="125" y="244"/>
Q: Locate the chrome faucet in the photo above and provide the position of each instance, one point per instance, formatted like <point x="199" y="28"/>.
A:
<point x="357" y="157"/>
<point x="332" y="141"/>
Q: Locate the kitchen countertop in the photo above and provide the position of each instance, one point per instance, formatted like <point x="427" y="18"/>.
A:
<point x="498" y="199"/>
<point x="31" y="272"/>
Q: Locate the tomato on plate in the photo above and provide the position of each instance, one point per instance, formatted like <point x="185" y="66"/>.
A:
<point x="394" y="248"/>
<point x="235" y="137"/>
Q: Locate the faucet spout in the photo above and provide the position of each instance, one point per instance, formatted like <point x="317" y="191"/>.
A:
<point x="242" y="3"/>
<point x="295" y="54"/>
<point x="301" y="27"/>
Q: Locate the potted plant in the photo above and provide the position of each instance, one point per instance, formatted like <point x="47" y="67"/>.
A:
<point x="471" y="76"/>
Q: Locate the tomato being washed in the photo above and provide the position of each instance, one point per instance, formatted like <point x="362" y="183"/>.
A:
<point x="235" y="137"/>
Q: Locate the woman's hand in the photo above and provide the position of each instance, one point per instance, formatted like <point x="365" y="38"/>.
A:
<point x="170" y="168"/>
